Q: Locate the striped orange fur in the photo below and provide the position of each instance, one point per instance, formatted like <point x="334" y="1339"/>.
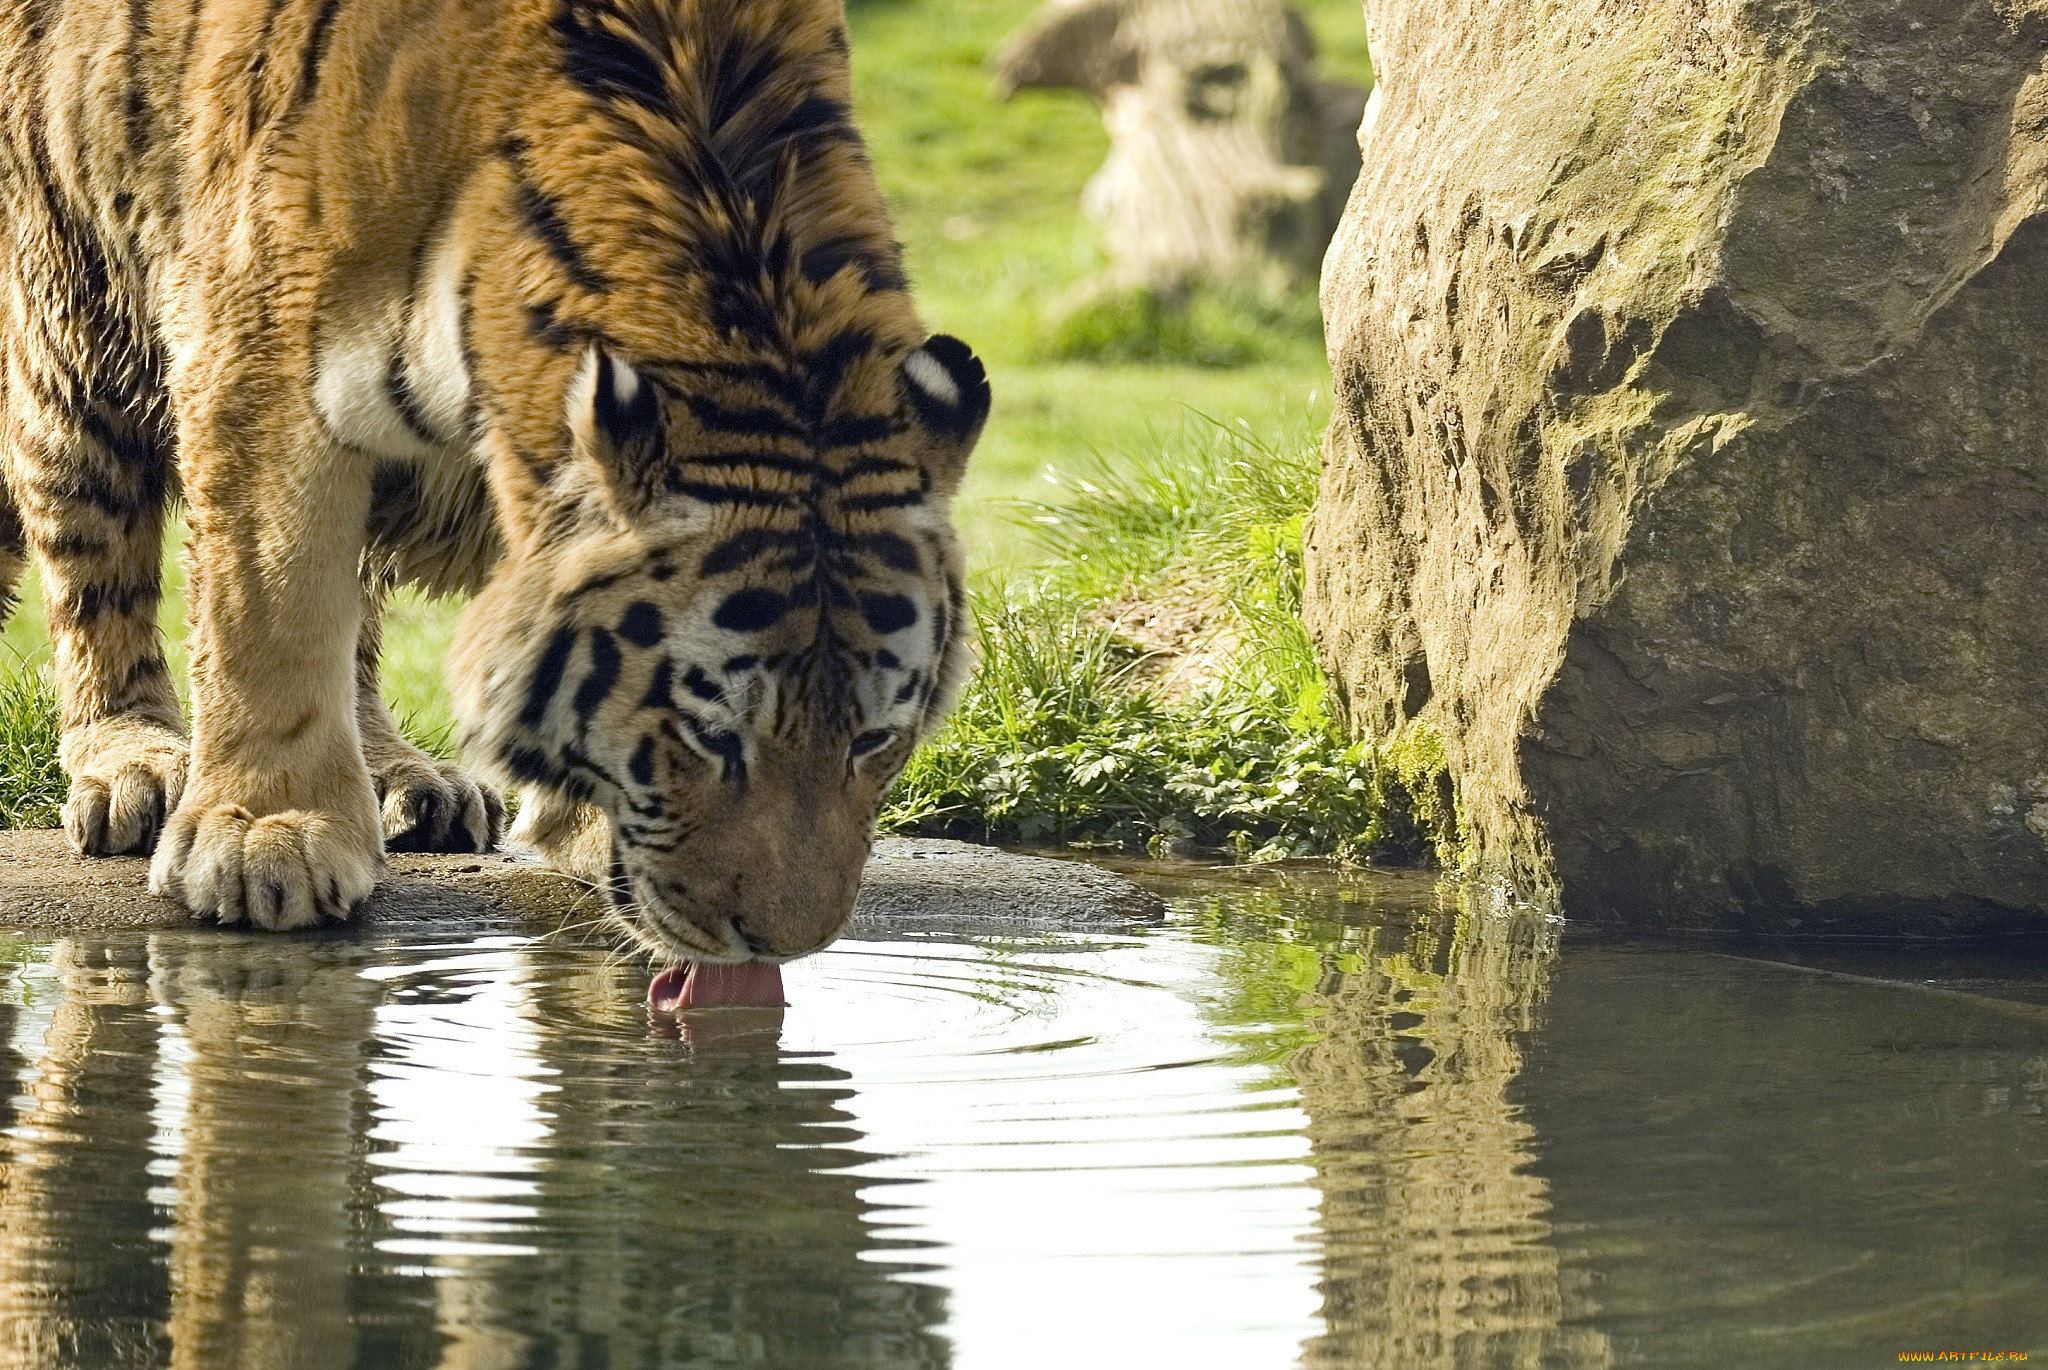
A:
<point x="589" y="307"/>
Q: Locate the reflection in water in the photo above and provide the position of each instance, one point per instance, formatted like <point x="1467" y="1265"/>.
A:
<point x="1434" y="1229"/>
<point x="266" y="1171"/>
<point x="1158" y="1147"/>
<point x="81" y="1281"/>
<point x="696" y="1209"/>
<point x="466" y="1157"/>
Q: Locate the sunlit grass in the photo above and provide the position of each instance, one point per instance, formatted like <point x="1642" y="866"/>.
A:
<point x="31" y="781"/>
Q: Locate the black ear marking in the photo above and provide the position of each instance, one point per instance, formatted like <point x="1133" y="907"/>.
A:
<point x="624" y="408"/>
<point x="947" y="387"/>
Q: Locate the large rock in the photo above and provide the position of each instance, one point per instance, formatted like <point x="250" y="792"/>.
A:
<point x="1691" y="467"/>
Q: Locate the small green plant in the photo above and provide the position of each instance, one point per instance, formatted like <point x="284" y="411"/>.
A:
<point x="31" y="782"/>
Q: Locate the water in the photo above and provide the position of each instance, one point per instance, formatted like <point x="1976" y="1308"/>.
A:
<point x="1309" y="1120"/>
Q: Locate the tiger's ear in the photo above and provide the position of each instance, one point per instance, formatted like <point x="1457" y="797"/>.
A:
<point x="615" y="416"/>
<point x="947" y="390"/>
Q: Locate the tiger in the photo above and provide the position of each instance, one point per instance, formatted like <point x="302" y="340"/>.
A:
<point x="589" y="310"/>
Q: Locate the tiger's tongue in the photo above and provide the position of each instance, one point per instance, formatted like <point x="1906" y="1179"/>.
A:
<point x="700" y="984"/>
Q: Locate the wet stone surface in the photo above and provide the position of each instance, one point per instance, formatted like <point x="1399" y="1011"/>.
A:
<point x="911" y="885"/>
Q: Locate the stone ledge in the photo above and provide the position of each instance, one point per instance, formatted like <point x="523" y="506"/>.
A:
<point x="912" y="885"/>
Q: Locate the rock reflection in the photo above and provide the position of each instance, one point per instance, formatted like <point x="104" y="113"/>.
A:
<point x="209" y="1168"/>
<point x="1437" y="1250"/>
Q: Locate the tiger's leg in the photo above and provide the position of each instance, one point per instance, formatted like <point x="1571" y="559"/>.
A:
<point x="572" y="836"/>
<point x="279" y="822"/>
<point x="90" y="469"/>
<point x="428" y="805"/>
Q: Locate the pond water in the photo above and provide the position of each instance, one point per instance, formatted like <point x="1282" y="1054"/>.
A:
<point x="1309" y="1119"/>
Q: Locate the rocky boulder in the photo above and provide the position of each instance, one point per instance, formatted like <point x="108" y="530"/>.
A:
<point x="1690" y="473"/>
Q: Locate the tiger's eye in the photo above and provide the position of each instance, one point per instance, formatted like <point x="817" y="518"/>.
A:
<point x="869" y="741"/>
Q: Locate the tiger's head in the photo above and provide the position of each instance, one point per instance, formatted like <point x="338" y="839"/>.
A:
<point x="739" y="610"/>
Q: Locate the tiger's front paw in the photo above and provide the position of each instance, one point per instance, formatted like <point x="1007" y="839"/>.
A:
<point x="430" y="805"/>
<point x="283" y="871"/>
<point x="127" y="774"/>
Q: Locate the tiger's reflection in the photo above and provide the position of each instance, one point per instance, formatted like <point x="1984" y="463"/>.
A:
<point x="203" y="1173"/>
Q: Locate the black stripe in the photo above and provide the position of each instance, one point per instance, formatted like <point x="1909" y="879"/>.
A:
<point x="603" y="580"/>
<point x="751" y="610"/>
<point x="259" y="63"/>
<point x="887" y="613"/>
<point x="659" y="693"/>
<point x="138" y="112"/>
<point x="822" y="263"/>
<point x="737" y="304"/>
<point x="85" y="604"/>
<point x="727" y="747"/>
<point x="316" y="49"/>
<point x="641" y="625"/>
<point x="63" y="547"/>
<point x="737" y="77"/>
<point x="84" y="486"/>
<point x="608" y="64"/>
<point x="641" y="764"/>
<point x="547" y="678"/>
<point x="699" y="684"/>
<point x="147" y="671"/>
<point x="576" y="760"/>
<point x="749" y="545"/>
<point x="766" y="461"/>
<point x="548" y="329"/>
<point x="399" y="388"/>
<point x="818" y="117"/>
<point x="731" y="494"/>
<point x="597" y="687"/>
<point x="868" y="504"/>
<point x="545" y="220"/>
<point x="855" y="431"/>
<point x="874" y="466"/>
<point x="825" y="368"/>
<point x="535" y="767"/>
<point x="805" y="467"/>
<point x="714" y="417"/>
<point x="472" y="379"/>
<point x="896" y="553"/>
<point x="187" y="44"/>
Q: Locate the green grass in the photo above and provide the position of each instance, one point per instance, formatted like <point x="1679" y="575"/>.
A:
<point x="986" y="197"/>
<point x="1064" y="736"/>
<point x="31" y="782"/>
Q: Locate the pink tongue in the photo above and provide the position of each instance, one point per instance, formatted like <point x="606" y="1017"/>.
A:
<point x="700" y="984"/>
